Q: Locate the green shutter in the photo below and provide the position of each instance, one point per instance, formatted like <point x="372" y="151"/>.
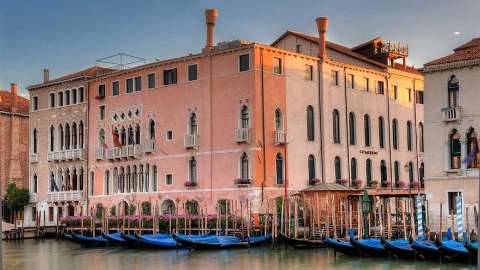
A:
<point x="456" y="147"/>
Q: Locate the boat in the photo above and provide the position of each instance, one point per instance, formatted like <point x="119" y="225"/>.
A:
<point x="219" y="241"/>
<point x="344" y="247"/>
<point x="115" y="238"/>
<point x="157" y="240"/>
<point x="131" y="239"/>
<point x="454" y="250"/>
<point x="428" y="249"/>
<point x="87" y="241"/>
<point x="400" y="248"/>
<point x="302" y="243"/>
<point x="369" y="246"/>
<point x="472" y="248"/>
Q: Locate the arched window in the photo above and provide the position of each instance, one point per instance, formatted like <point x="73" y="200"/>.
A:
<point x="421" y="171"/>
<point x="106" y="187"/>
<point x="395" y="134"/>
<point x="366" y="125"/>
<point x="311" y="168"/>
<point x="192" y="164"/>
<point x="34" y="184"/>
<point x="193" y="126"/>
<point x="381" y="132"/>
<point x="34" y="139"/>
<point x="368" y="171"/>
<point x="101" y="138"/>
<point x="244" y="168"/>
<point x="61" y="137"/>
<point x="420" y="133"/>
<point x="52" y="100"/>
<point x="336" y="126"/>
<point x="191" y="207"/>
<point x="353" y="168"/>
<point x="121" y="179"/>
<point x="67" y="97"/>
<point x="154" y="178"/>
<point x="137" y="134"/>
<point x="123" y="137"/>
<point x="91" y="184"/>
<point x="409" y="136"/>
<point x="74" y="136"/>
<point x="168" y="207"/>
<point x="455" y="150"/>
<point x="244" y="117"/>
<point x="338" y="169"/>
<point x="52" y="139"/>
<point x="352" y="128"/>
<point x="80" y="179"/>
<point x="472" y="149"/>
<point x="410" y="172"/>
<point x="310" y="124"/>
<point x="453" y="89"/>
<point x="396" y="168"/>
<point x="151" y="128"/>
<point x="383" y="171"/>
<point x="60" y="98"/>
<point x="80" y="135"/>
<point x="67" y="136"/>
<point x="74" y="96"/>
<point x="53" y="184"/>
<point x="131" y="136"/>
<point x="279" y="168"/>
<point x="278" y="120"/>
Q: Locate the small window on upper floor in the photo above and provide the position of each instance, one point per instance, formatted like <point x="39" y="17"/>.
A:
<point x="168" y="179"/>
<point x="81" y="94"/>
<point x="169" y="135"/>
<point x="380" y="88"/>
<point x="102" y="112"/>
<point x="277" y="65"/>
<point x="366" y="84"/>
<point x="192" y="72"/>
<point x="409" y="95"/>
<point x="419" y="95"/>
<point x="52" y="100"/>
<point x="170" y="76"/>
<point x="335" y="77"/>
<point x="101" y="90"/>
<point x="395" y="92"/>
<point x="244" y="62"/>
<point x="309" y="72"/>
<point x="138" y="83"/>
<point x="60" y="98"/>
<point x="350" y="81"/>
<point x="129" y="85"/>
<point x="34" y="103"/>
<point x="115" y="88"/>
<point x="67" y="97"/>
<point x="151" y="81"/>
<point x="299" y="48"/>
<point x="74" y="96"/>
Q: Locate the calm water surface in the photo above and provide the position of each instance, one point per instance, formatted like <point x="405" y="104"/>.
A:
<point x="53" y="255"/>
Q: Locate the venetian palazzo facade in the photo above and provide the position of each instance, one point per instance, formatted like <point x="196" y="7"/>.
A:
<point x="248" y="121"/>
<point x="452" y="120"/>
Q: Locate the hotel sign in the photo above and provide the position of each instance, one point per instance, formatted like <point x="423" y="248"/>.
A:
<point x="368" y="152"/>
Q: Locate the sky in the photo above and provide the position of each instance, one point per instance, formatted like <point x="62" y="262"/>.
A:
<point x="67" y="36"/>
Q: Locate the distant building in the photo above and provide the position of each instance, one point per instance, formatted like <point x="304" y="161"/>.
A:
<point x="452" y="124"/>
<point x="13" y="139"/>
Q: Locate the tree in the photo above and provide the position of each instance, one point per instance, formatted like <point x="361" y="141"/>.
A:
<point x="16" y="198"/>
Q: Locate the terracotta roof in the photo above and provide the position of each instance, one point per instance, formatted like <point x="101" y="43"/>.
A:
<point x="85" y="73"/>
<point x="22" y="104"/>
<point x="467" y="51"/>
<point x="330" y="187"/>
<point x="409" y="69"/>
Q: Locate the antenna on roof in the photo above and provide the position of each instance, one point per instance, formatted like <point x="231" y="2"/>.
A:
<point x="121" y="61"/>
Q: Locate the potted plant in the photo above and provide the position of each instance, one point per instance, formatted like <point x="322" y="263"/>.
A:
<point x="402" y="184"/>
<point x="190" y="184"/>
<point x="358" y="182"/>
<point x="374" y="183"/>
<point x="387" y="183"/>
<point x="415" y="184"/>
<point x="343" y="181"/>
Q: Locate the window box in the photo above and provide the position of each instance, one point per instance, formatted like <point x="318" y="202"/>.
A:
<point x="358" y="183"/>
<point x="374" y="183"/>
<point x="415" y="184"/>
<point x="342" y="181"/>
<point x="190" y="184"/>
<point x="313" y="182"/>
<point x="243" y="181"/>
<point x="191" y="141"/>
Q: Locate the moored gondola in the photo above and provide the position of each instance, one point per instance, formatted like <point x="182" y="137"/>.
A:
<point x="453" y="250"/>
<point x="472" y="248"/>
<point x="115" y="238"/>
<point x="158" y="240"/>
<point x="368" y="247"/>
<point x="131" y="239"/>
<point x="302" y="243"/>
<point x="344" y="247"/>
<point x="219" y="241"/>
<point x="400" y="248"/>
<point x="87" y="241"/>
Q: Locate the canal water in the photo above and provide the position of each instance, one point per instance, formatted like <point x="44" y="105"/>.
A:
<point x="64" y="255"/>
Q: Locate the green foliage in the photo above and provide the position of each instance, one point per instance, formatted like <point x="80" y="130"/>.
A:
<point x="146" y="208"/>
<point x="131" y="209"/>
<point x="16" y="198"/>
<point x="99" y="210"/>
<point x="192" y="207"/>
<point x="113" y="211"/>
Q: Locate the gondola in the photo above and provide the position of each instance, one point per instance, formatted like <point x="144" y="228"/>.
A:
<point x="157" y="240"/>
<point x="428" y="249"/>
<point x="115" y="238"/>
<point x="219" y="241"/>
<point x="131" y="239"/>
<point x="87" y="241"/>
<point x="344" y="247"/>
<point x="302" y="243"/>
<point x="472" y="248"/>
<point x="369" y="247"/>
<point x="400" y="248"/>
<point x="453" y="250"/>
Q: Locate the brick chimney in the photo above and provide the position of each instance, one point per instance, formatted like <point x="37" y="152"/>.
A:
<point x="210" y="19"/>
<point x="13" y="96"/>
<point x="46" y="75"/>
<point x="322" y="25"/>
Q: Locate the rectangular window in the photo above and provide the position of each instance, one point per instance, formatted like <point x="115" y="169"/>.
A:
<point x="151" y="80"/>
<point x="60" y="99"/>
<point x="192" y="72"/>
<point x="170" y="76"/>
<point x="299" y="48"/>
<point x="102" y="112"/>
<point x="101" y="90"/>
<point x="67" y="97"/>
<point x="138" y="83"/>
<point x="452" y="204"/>
<point x="52" y="100"/>
<point x="350" y="81"/>
<point x="81" y="94"/>
<point x="380" y="88"/>
<point x="34" y="103"/>
<point x="309" y="72"/>
<point x="59" y="212"/>
<point x="74" y="96"/>
<point x="115" y="88"/>
<point x="419" y="97"/>
<point x="409" y="95"/>
<point x="277" y="65"/>
<point x="169" y="135"/>
<point x="129" y="84"/>
<point x="395" y="92"/>
<point x="367" y="84"/>
<point x="335" y="77"/>
<point x="34" y="213"/>
<point x="244" y="62"/>
<point x="50" y="214"/>
<point x="168" y="179"/>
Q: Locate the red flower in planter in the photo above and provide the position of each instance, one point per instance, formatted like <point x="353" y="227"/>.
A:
<point x="343" y="181"/>
<point x="190" y="184"/>
<point x="402" y="184"/>
<point x="358" y="182"/>
<point x="415" y="184"/>
<point x="388" y="183"/>
<point x="374" y="183"/>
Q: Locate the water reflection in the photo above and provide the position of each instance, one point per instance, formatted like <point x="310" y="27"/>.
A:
<point x="51" y="254"/>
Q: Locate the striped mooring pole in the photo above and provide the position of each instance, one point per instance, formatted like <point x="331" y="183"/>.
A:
<point x="459" y="212"/>
<point x="419" y="203"/>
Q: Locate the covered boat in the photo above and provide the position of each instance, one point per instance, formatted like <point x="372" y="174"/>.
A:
<point x="344" y="247"/>
<point x="157" y="240"/>
<point x="115" y="238"/>
<point x="472" y="248"/>
<point x="302" y="243"/>
<point x="428" y="249"/>
<point x="131" y="239"/>
<point x="219" y="241"/>
<point x="88" y="241"/>
<point x="454" y="250"/>
<point x="369" y="247"/>
<point x="400" y="248"/>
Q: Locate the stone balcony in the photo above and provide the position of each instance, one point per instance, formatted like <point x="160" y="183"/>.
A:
<point x="451" y="114"/>
<point x="124" y="152"/>
<point x="149" y="146"/>
<point x="280" y="137"/>
<point x="65" y="196"/>
<point x="242" y="135"/>
<point x="99" y="153"/>
<point x="64" y="155"/>
<point x="191" y="141"/>
<point x="32" y="197"/>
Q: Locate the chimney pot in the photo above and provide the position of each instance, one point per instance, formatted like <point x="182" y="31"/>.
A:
<point x="46" y="75"/>
<point x="14" y="89"/>
<point x="322" y="26"/>
<point x="210" y="19"/>
<point x="13" y="96"/>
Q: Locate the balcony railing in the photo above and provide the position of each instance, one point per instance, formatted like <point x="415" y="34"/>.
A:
<point x="191" y="140"/>
<point x="243" y="135"/>
<point x="451" y="114"/>
<point x="32" y="197"/>
<point x="61" y="196"/>
<point x="61" y="155"/>
<point x="33" y="158"/>
<point x="280" y="137"/>
<point x="149" y="146"/>
<point x="124" y="152"/>
<point x="100" y="153"/>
